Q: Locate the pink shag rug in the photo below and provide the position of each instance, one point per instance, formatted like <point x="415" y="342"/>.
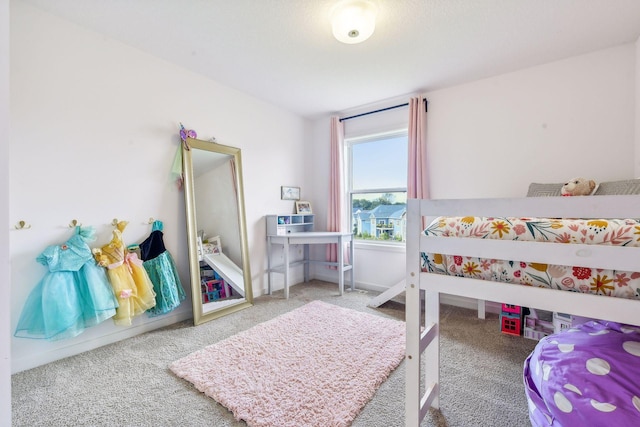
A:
<point x="317" y="365"/>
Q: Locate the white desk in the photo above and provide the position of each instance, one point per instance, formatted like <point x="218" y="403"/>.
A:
<point x="309" y="238"/>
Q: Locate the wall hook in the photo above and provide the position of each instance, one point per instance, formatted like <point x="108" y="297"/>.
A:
<point x="151" y="220"/>
<point x="74" y="223"/>
<point x="114" y="222"/>
<point x="22" y="225"/>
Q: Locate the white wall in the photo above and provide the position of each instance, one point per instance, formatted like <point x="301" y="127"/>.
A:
<point x="492" y="137"/>
<point x="575" y="117"/>
<point x="5" y="271"/>
<point x="94" y="132"/>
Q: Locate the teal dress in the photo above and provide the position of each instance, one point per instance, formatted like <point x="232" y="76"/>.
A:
<point x="72" y="296"/>
<point x="162" y="271"/>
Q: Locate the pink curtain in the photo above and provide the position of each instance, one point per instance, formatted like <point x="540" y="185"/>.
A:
<point x="417" y="187"/>
<point x="335" y="213"/>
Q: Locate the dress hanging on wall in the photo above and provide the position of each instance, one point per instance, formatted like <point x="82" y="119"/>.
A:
<point x="163" y="272"/>
<point x="73" y="295"/>
<point x="129" y="279"/>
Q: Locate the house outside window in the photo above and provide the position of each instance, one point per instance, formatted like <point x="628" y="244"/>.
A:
<point x="377" y="186"/>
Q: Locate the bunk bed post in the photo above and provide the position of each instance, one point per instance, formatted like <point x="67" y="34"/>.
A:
<point x="413" y="305"/>
<point x="481" y="309"/>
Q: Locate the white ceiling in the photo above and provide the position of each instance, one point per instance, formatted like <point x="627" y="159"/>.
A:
<point x="282" y="51"/>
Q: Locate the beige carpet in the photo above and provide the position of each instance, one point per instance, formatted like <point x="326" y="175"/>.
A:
<point x="129" y="384"/>
<point x="315" y="366"/>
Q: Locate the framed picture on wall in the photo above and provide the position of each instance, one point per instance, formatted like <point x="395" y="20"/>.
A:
<point x="303" y="207"/>
<point x="289" y="193"/>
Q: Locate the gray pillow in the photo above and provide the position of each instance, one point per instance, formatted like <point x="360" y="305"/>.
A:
<point x="544" y="190"/>
<point x="611" y="188"/>
<point x="614" y="188"/>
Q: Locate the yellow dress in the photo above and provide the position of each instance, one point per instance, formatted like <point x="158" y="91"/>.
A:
<point x="130" y="282"/>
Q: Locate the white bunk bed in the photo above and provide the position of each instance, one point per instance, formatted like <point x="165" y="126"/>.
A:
<point x="425" y="288"/>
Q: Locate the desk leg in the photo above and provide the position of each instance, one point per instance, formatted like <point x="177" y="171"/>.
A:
<point x="286" y="268"/>
<point x="306" y="263"/>
<point x="269" y="264"/>
<point x="341" y="265"/>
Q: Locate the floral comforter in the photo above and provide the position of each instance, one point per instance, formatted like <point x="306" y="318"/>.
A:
<point x="621" y="232"/>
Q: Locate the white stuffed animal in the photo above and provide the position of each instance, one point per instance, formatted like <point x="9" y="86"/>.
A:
<point x="579" y="187"/>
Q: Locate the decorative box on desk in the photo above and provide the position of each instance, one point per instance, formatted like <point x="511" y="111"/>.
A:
<point x="297" y="229"/>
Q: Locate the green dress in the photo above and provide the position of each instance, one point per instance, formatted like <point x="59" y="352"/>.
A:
<point x="162" y="271"/>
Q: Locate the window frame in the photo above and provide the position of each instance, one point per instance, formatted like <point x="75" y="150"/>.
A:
<point x="349" y="191"/>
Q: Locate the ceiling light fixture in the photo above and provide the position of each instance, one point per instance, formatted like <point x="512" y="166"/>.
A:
<point x="353" y="21"/>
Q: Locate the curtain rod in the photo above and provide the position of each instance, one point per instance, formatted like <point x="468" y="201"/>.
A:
<point x="384" y="109"/>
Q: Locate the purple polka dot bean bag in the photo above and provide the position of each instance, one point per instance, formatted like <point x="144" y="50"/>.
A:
<point x="586" y="376"/>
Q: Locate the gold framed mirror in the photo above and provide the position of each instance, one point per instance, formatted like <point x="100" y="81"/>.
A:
<point x="216" y="229"/>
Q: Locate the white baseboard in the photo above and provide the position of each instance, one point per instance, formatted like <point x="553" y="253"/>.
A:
<point x="43" y="357"/>
<point x="296" y="276"/>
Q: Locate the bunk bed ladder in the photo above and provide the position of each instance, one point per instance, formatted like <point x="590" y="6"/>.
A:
<point x="422" y="353"/>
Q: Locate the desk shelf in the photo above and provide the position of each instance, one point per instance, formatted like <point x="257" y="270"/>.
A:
<point x="283" y="224"/>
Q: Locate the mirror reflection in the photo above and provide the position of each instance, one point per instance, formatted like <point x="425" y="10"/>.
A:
<point x="219" y="264"/>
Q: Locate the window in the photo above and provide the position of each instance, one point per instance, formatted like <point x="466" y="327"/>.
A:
<point x="377" y="186"/>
